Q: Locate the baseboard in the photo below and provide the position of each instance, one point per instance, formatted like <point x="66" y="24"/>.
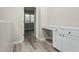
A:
<point x="41" y="39"/>
<point x="44" y="38"/>
<point x="20" y="41"/>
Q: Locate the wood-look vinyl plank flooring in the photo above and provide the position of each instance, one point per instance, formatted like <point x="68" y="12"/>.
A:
<point x="31" y="44"/>
<point x="38" y="46"/>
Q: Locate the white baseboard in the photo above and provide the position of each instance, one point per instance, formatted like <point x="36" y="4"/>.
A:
<point x="41" y="39"/>
<point x="20" y="41"/>
<point x="44" y="38"/>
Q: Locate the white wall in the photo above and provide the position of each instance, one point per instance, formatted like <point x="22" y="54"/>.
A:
<point x="40" y="19"/>
<point x="60" y="16"/>
<point x="1" y="13"/>
<point x="44" y="15"/>
<point x="16" y="16"/>
<point x="38" y="23"/>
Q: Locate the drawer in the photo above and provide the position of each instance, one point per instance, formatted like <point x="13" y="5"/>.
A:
<point x="66" y="32"/>
<point x="74" y="33"/>
<point x="71" y="32"/>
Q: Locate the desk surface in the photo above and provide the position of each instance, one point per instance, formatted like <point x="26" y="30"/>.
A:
<point x="61" y="27"/>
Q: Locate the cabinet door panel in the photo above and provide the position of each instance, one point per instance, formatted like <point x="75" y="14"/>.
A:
<point x="57" y="41"/>
<point x="70" y="45"/>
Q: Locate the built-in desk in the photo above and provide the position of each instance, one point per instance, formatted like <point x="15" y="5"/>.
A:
<point x="48" y="27"/>
<point x="65" y="39"/>
<point x="47" y="32"/>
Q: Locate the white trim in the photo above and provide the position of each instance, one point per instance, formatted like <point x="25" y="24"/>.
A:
<point x="62" y="27"/>
<point x="20" y="41"/>
<point x="41" y="39"/>
<point x="37" y="23"/>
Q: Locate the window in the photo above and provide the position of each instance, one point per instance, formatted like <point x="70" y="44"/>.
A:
<point x="32" y="18"/>
<point x="29" y="18"/>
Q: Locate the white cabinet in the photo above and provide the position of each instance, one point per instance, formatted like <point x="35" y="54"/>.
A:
<point x="70" y="45"/>
<point x="57" y="41"/>
<point x="70" y="40"/>
<point x="66" y="40"/>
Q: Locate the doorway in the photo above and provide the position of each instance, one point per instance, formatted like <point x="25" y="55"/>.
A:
<point x="29" y="23"/>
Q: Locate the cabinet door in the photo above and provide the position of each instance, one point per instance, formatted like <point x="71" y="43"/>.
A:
<point x="70" y="44"/>
<point x="57" y="41"/>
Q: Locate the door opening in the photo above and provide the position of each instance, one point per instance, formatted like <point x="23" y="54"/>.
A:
<point x="29" y="23"/>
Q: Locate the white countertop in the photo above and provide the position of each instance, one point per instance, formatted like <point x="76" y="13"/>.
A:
<point x="61" y="27"/>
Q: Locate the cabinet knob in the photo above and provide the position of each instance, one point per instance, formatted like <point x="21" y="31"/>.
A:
<point x="69" y="32"/>
<point x="63" y="35"/>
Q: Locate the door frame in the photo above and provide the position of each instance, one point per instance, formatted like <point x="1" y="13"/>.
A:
<point x="34" y="23"/>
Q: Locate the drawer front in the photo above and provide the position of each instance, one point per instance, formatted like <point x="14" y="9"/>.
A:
<point x="75" y="34"/>
<point x="71" y="33"/>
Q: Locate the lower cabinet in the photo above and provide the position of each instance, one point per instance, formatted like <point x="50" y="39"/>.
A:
<point x="57" y="41"/>
<point x="65" y="43"/>
<point x="70" y="44"/>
